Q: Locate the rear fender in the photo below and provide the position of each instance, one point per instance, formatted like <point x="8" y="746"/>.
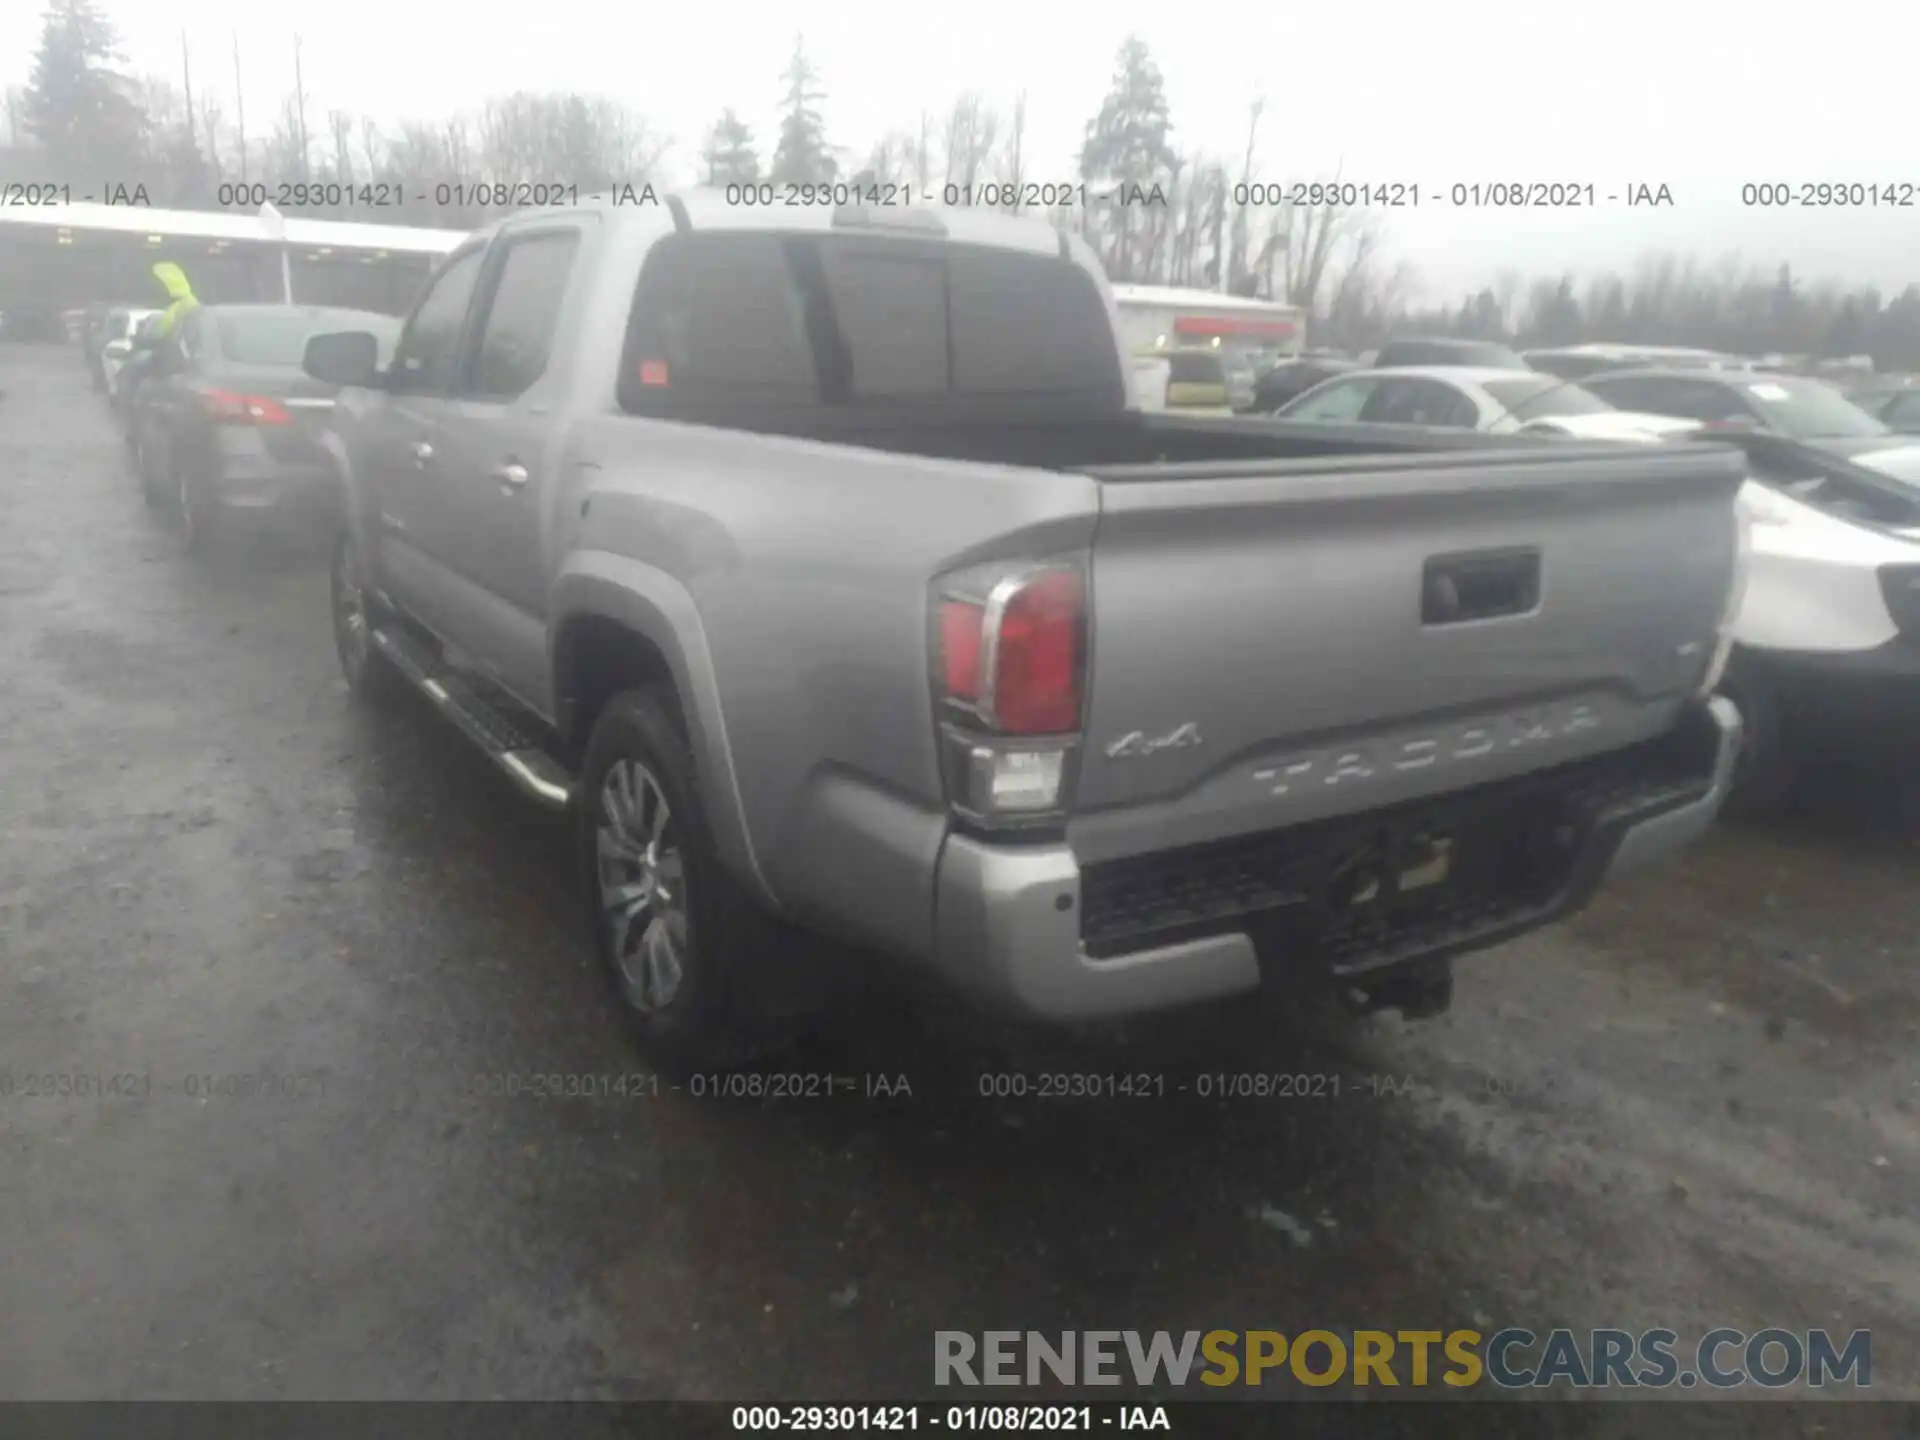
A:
<point x="653" y="604"/>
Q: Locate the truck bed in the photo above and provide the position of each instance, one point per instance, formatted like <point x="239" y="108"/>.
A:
<point x="1113" y="442"/>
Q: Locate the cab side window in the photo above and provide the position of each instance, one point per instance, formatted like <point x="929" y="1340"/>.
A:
<point x="424" y="361"/>
<point x="1420" y="402"/>
<point x="516" y="336"/>
<point x="1337" y="404"/>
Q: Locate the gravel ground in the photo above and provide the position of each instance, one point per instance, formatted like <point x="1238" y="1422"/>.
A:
<point x="1693" y="1106"/>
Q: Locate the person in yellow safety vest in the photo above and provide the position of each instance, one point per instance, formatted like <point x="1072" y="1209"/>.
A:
<point x="178" y="290"/>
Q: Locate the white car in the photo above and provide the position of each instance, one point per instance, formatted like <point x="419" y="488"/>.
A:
<point x="121" y="325"/>
<point x="1827" y="627"/>
<point x="1466" y="397"/>
<point x="1827" y="635"/>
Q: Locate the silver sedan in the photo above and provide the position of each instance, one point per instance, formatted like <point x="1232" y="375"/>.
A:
<point x="1462" y="397"/>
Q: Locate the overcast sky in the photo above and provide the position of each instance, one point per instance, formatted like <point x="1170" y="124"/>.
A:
<point x="1701" y="97"/>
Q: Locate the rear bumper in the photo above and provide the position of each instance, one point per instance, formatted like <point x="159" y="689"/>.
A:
<point x="275" y="491"/>
<point x="1028" y="927"/>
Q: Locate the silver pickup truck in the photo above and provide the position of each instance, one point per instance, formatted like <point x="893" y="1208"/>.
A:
<point x="820" y="563"/>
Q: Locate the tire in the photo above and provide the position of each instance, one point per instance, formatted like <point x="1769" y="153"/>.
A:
<point x="1763" y="772"/>
<point x="680" y="969"/>
<point x="198" y="520"/>
<point x="369" y="674"/>
<point x="151" y="488"/>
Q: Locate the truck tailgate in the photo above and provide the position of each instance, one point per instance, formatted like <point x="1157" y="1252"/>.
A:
<point x="1274" y="643"/>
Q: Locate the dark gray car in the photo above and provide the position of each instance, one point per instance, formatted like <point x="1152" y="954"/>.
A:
<point x="226" y="421"/>
<point x="1444" y="350"/>
<point x="1806" y="410"/>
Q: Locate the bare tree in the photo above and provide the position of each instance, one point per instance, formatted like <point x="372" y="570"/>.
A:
<point x="1194" y="254"/>
<point x="281" y="160"/>
<point x="1312" y="239"/>
<point x="372" y="152"/>
<point x="1012" y="173"/>
<point x="340" y="129"/>
<point x="891" y="160"/>
<point x="967" y="141"/>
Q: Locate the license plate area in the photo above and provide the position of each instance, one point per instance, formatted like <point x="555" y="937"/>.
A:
<point x="1429" y="877"/>
<point x="1513" y="848"/>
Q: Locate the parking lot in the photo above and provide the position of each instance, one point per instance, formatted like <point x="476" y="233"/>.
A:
<point x="1697" y="1105"/>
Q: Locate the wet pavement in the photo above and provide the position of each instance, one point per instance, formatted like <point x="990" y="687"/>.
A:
<point x="1693" y="1106"/>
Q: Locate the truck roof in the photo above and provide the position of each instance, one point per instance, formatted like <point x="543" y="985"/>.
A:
<point x="705" y="209"/>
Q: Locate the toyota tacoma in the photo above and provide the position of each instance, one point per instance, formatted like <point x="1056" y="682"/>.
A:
<point x="820" y="563"/>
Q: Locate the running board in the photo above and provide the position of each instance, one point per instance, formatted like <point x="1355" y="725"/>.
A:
<point x="537" y="774"/>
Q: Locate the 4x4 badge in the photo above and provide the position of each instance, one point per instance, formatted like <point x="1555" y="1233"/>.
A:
<point x="1137" y="743"/>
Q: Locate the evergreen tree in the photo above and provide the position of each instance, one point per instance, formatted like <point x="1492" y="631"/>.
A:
<point x="1129" y="147"/>
<point x="78" y="107"/>
<point x="801" y="156"/>
<point x="729" y="157"/>
<point x="1560" y="321"/>
<point x="1130" y="140"/>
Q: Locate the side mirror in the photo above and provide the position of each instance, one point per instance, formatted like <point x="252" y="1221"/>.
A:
<point x="343" y="357"/>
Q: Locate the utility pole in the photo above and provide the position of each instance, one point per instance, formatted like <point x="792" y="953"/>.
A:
<point x="186" y="79"/>
<point x="300" y="107"/>
<point x="240" y="106"/>
<point x="1240" y="216"/>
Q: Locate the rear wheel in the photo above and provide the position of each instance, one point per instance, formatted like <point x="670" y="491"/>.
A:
<point x="152" y="485"/>
<point x="676" y="934"/>
<point x="194" y="510"/>
<point x="369" y="674"/>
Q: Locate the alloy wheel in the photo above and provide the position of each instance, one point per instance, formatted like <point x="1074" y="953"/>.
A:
<point x="642" y="886"/>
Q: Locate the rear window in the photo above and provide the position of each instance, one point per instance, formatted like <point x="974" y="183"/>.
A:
<point x="1543" y="398"/>
<point x="278" y="338"/>
<point x="841" y="321"/>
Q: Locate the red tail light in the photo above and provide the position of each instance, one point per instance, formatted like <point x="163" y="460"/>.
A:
<point x="1036" y="669"/>
<point x="231" y="409"/>
<point x="1018" y="660"/>
<point x="961" y="626"/>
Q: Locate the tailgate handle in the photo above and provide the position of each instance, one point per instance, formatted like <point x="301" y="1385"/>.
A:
<point x="1479" y="585"/>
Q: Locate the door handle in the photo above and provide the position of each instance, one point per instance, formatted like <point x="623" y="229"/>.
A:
<point x="511" y="476"/>
<point x="422" y="452"/>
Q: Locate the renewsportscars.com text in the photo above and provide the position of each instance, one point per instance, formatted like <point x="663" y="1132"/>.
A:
<point x="1509" y="1359"/>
